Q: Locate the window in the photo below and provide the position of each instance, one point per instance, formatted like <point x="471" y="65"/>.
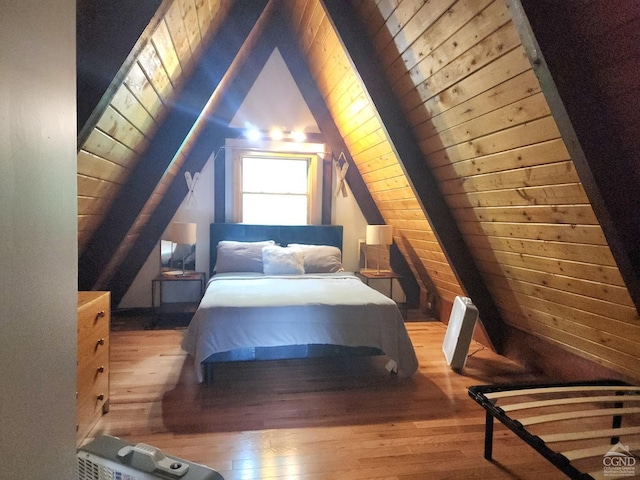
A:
<point x="276" y="187"/>
<point x="275" y="190"/>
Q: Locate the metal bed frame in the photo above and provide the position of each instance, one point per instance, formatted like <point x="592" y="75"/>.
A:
<point x="546" y="417"/>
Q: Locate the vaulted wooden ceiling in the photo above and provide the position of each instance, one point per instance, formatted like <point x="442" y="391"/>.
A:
<point x="504" y="180"/>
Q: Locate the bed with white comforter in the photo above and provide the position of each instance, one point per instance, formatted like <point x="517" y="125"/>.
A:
<point x="246" y="310"/>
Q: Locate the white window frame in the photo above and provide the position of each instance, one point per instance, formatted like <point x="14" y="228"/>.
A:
<point x="236" y="149"/>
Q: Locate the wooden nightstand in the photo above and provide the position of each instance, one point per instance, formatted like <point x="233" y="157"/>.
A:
<point x="162" y="308"/>
<point x="371" y="275"/>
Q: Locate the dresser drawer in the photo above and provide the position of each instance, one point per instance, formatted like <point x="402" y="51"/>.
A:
<point x="92" y="382"/>
<point x="93" y="343"/>
<point x="91" y="405"/>
<point x="92" y="373"/>
<point x="93" y="313"/>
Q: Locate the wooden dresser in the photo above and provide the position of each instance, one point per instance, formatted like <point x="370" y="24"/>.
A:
<point x="93" y="360"/>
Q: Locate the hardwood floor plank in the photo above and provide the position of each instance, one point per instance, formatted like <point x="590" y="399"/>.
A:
<point x="315" y="419"/>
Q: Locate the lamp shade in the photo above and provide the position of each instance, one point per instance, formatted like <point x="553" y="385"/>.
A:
<point x="183" y="233"/>
<point x="379" y="235"/>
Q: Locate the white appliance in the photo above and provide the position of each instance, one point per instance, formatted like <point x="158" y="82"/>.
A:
<point x="109" y="458"/>
<point x="457" y="339"/>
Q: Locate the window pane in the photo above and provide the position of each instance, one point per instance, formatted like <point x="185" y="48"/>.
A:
<point x="275" y="175"/>
<point x="274" y="209"/>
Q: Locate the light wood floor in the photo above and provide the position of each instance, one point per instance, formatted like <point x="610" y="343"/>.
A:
<point x="316" y="419"/>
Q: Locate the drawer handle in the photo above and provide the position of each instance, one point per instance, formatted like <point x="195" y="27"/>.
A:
<point x="101" y="369"/>
<point x="99" y="315"/>
<point x="100" y="342"/>
<point x="101" y="397"/>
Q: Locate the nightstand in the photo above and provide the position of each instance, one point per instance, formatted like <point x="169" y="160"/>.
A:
<point x="371" y="275"/>
<point x="162" y="308"/>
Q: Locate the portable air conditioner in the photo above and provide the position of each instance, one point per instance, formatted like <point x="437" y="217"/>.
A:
<point x="109" y="458"/>
<point x="457" y="339"/>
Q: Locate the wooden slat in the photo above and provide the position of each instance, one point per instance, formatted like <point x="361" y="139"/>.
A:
<point x="541" y="130"/>
<point x="98" y="168"/>
<point x="113" y="124"/>
<point x="587" y="234"/>
<point x="138" y="83"/>
<point x="166" y="52"/>
<point x="154" y="70"/>
<point x="190" y="20"/>
<point x="610" y="357"/>
<point x="519" y="87"/>
<point x="605" y="433"/>
<point x="571" y="193"/>
<point x="178" y="33"/>
<point x="484" y="53"/>
<point x="525" y="110"/>
<point x="103" y="146"/>
<point x="448" y="59"/>
<point x="595" y="451"/>
<point x="570" y="214"/>
<point x="507" y="66"/>
<point x="562" y="250"/>
<point x="560" y="389"/>
<point x="598" y="298"/>
<point x="571" y="401"/>
<point x="550" y="266"/>
<point x="127" y="105"/>
<point x="546" y="175"/>
<point x="593" y="290"/>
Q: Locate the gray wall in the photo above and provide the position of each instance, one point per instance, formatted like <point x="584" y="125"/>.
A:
<point x="38" y="239"/>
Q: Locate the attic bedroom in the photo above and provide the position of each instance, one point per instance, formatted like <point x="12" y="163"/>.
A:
<point x="496" y="143"/>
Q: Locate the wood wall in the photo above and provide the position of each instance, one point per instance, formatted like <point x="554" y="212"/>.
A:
<point x="365" y="137"/>
<point x="131" y="117"/>
<point x="460" y="73"/>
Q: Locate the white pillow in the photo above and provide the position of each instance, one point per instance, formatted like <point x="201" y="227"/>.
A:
<point x="235" y="256"/>
<point x="320" y="258"/>
<point x="278" y="260"/>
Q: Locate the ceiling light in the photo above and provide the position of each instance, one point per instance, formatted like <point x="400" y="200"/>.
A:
<point x="276" y="134"/>
<point x="298" y="136"/>
<point x="253" y="134"/>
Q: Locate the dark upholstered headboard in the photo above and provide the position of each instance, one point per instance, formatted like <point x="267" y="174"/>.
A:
<point x="281" y="234"/>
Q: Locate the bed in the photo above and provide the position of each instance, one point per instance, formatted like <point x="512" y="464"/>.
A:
<point x="588" y="430"/>
<point x="280" y="292"/>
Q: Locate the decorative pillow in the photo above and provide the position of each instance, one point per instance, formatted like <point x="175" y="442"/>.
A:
<point x="320" y="258"/>
<point x="240" y="256"/>
<point x="278" y="260"/>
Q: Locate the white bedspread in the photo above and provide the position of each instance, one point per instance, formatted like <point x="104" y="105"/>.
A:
<point x="251" y="310"/>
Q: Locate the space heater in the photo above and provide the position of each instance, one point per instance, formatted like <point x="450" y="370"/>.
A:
<point x="457" y="339"/>
<point x="109" y="458"/>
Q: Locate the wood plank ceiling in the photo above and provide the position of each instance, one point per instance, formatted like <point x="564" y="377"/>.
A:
<point x="476" y="114"/>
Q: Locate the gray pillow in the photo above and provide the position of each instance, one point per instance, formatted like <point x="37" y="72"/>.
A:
<point x="320" y="258"/>
<point x="240" y="256"/>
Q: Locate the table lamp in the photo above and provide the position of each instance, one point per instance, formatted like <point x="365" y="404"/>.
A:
<point x="183" y="234"/>
<point x="379" y="235"/>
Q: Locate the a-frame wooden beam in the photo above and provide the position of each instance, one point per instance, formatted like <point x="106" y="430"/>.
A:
<point x="363" y="57"/>
<point x="300" y="72"/>
<point x="607" y="171"/>
<point x="138" y="254"/>
<point x="207" y="141"/>
<point x="216" y="59"/>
